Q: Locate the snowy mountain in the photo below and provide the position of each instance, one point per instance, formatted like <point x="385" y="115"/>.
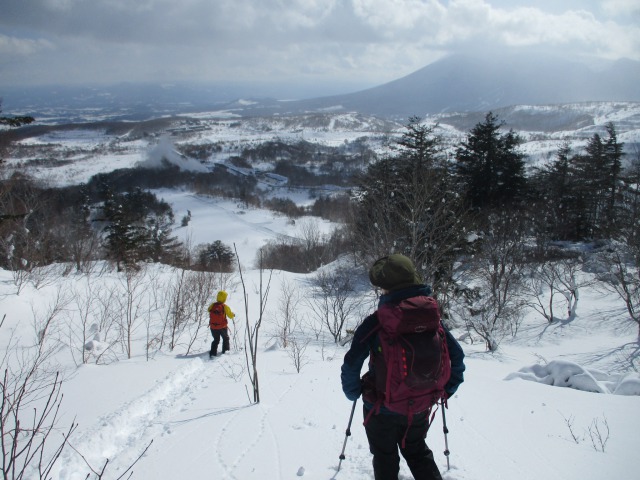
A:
<point x="464" y="83"/>
<point x="459" y="83"/>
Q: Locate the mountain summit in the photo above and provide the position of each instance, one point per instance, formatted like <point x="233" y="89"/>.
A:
<point x="479" y="83"/>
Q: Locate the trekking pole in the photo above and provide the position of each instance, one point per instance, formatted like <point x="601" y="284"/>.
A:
<point x="446" y="431"/>
<point x="347" y="433"/>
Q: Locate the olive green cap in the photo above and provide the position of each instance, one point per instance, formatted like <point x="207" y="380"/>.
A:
<point x="394" y="272"/>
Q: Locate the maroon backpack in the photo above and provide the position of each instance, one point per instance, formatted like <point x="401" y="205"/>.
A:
<point x="412" y="365"/>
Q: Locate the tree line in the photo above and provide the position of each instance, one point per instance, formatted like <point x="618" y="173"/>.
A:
<point x="483" y="229"/>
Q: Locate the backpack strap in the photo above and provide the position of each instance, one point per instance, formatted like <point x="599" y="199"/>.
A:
<point x="371" y="332"/>
<point x="409" y="422"/>
<point x="375" y="410"/>
<point x="429" y="416"/>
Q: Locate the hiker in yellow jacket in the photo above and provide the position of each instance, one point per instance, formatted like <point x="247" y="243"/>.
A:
<point x="218" y="314"/>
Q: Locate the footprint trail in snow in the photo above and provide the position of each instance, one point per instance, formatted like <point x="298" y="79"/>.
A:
<point x="121" y="436"/>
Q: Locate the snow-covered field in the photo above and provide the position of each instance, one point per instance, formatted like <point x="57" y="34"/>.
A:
<point x="93" y="150"/>
<point x="203" y="425"/>
<point x="528" y="411"/>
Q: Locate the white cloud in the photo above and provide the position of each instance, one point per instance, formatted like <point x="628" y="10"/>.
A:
<point x="60" y="4"/>
<point x="395" y="16"/>
<point x="292" y="14"/>
<point x="295" y="40"/>
<point x="621" y="7"/>
<point x="16" y="47"/>
<point x="579" y="31"/>
<point x="463" y="21"/>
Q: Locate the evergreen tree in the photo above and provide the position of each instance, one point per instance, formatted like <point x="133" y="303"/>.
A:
<point x="121" y="234"/>
<point x="419" y="144"/>
<point x="161" y="245"/>
<point x="629" y="220"/>
<point x="590" y="172"/>
<point x="138" y="226"/>
<point x="215" y="257"/>
<point x="407" y="204"/>
<point x="613" y="151"/>
<point x="597" y="186"/>
<point x="489" y="167"/>
<point x="554" y="205"/>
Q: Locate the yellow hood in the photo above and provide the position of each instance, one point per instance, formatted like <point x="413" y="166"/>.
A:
<point x="222" y="296"/>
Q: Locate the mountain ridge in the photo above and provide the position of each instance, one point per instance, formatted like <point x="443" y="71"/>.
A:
<point x="458" y="83"/>
<point x="466" y="83"/>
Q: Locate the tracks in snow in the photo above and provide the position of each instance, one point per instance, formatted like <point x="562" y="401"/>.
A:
<point x="258" y="443"/>
<point x="122" y="435"/>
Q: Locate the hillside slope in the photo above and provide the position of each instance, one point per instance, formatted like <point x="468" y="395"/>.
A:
<point x="201" y="421"/>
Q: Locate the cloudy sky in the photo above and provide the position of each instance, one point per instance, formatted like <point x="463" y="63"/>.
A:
<point x="329" y="44"/>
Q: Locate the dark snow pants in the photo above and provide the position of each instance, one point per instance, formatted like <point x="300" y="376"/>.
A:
<point x="217" y="333"/>
<point x="385" y="433"/>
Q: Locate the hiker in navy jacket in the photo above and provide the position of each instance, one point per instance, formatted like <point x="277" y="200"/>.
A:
<point x="388" y="432"/>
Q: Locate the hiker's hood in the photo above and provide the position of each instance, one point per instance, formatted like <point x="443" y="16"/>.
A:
<point x="222" y="296"/>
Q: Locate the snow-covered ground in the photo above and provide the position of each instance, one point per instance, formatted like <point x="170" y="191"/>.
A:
<point x="203" y="424"/>
<point x="93" y="150"/>
<point x="528" y="411"/>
